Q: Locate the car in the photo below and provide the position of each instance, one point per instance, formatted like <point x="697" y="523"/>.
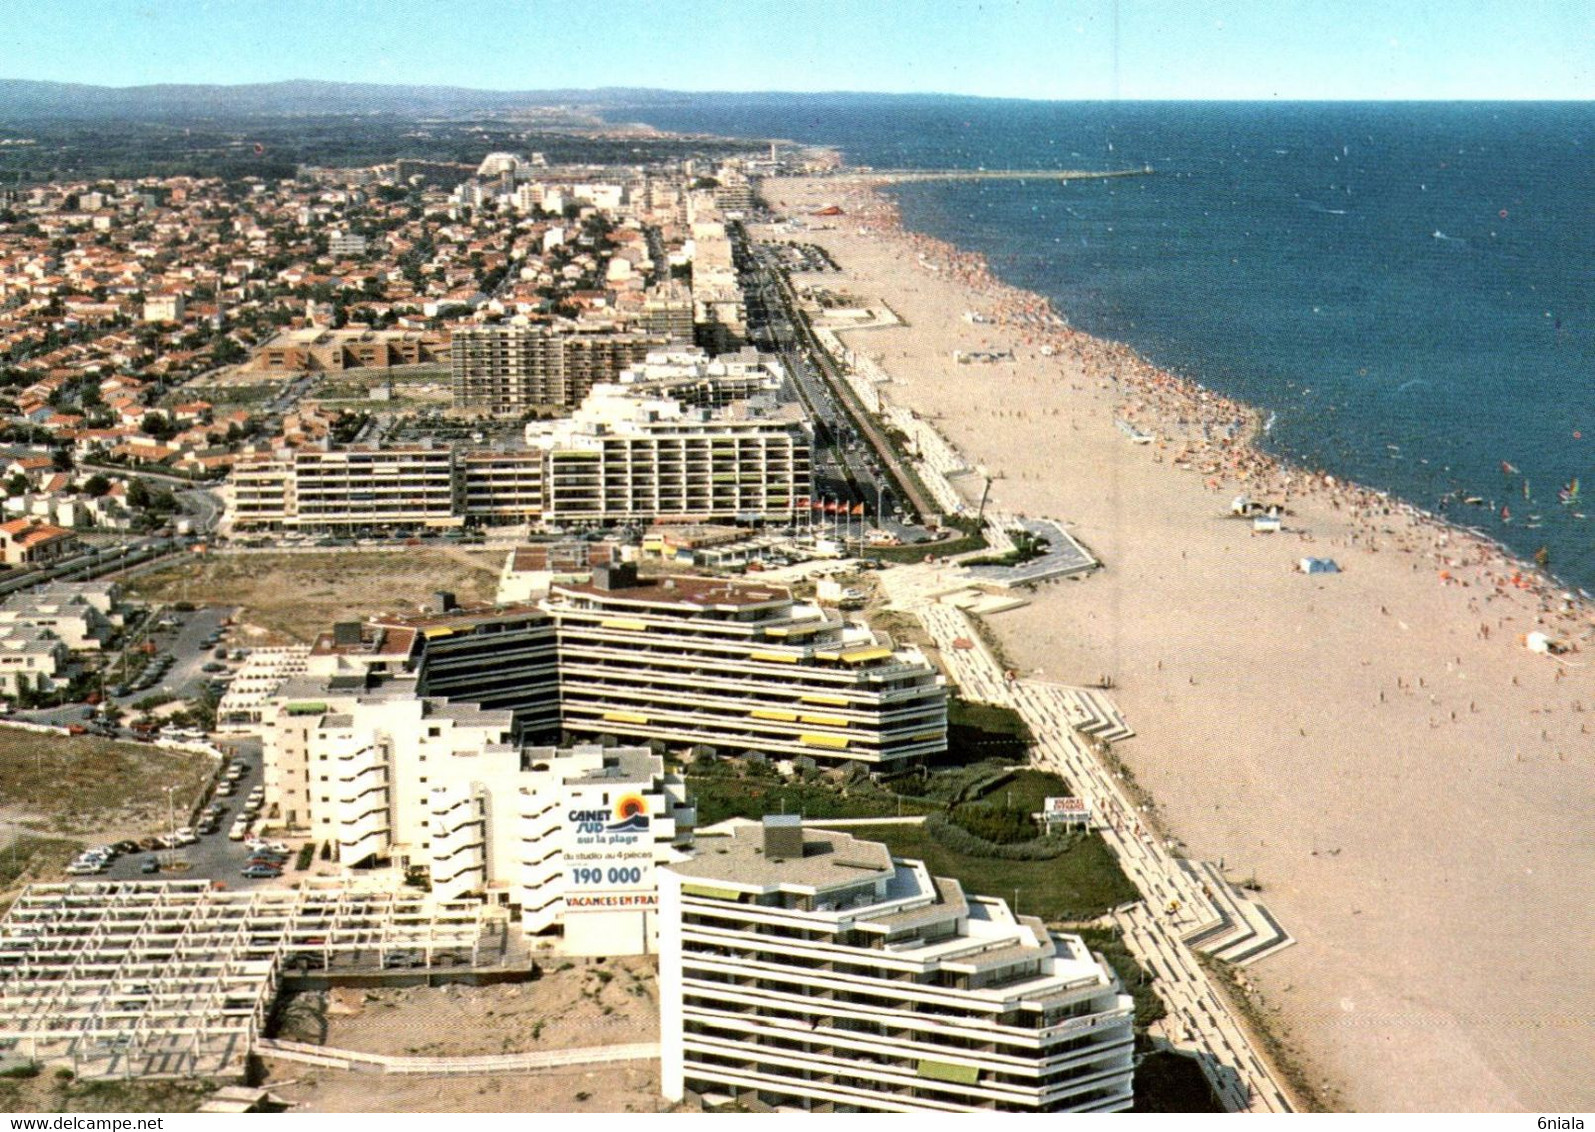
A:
<point x="225" y="789"/>
<point x="259" y="872"/>
<point x="127" y="846"/>
<point x="150" y="844"/>
<point x="150" y="865"/>
<point x="238" y="831"/>
<point x="84" y="868"/>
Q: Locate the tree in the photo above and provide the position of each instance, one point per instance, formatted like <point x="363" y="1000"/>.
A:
<point x="17" y="485"/>
<point x="61" y="459"/>
<point x="138" y="494"/>
<point x="157" y="425"/>
<point x="96" y="486"/>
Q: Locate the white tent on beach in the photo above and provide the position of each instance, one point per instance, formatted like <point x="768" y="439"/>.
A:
<point x="1318" y="566"/>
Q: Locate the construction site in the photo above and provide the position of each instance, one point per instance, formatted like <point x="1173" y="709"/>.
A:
<point x="179" y="979"/>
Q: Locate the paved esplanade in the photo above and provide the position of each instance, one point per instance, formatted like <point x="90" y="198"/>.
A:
<point x="1178" y="906"/>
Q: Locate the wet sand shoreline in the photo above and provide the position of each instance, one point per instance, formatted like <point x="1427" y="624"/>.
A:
<point x="1410" y="785"/>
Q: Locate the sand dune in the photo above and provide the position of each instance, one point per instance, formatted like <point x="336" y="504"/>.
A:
<point x="1414" y="790"/>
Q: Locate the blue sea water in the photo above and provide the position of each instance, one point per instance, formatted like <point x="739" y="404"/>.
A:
<point x="1406" y="287"/>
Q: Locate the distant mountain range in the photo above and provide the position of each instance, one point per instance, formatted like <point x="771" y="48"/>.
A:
<point x="26" y="98"/>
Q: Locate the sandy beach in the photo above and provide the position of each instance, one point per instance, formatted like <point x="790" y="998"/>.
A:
<point x="1412" y="788"/>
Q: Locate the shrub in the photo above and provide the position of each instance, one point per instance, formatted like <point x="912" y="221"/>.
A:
<point x="943" y="829"/>
<point x="1001" y="827"/>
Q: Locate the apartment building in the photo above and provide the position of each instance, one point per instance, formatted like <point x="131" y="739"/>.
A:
<point x="320" y="350"/>
<point x="515" y="368"/>
<point x="503" y="486"/>
<point x="346" y="489"/>
<point x="667" y="312"/>
<point x="499" y="658"/>
<point x="806" y="970"/>
<point x="738" y="667"/>
<point x="386" y="773"/>
<point x="628" y="457"/>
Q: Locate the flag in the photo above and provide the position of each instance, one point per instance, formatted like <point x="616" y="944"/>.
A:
<point x="830" y="508"/>
<point x="858" y="508"/>
<point x="803" y="502"/>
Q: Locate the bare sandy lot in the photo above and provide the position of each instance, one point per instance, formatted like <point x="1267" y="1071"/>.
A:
<point x="1414" y="790"/>
<point x="292" y="597"/>
<point x="576" y="1003"/>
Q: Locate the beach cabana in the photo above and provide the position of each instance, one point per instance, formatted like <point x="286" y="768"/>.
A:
<point x="1319" y="566"/>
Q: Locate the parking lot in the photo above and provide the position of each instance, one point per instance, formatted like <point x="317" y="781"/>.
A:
<point x="214" y="856"/>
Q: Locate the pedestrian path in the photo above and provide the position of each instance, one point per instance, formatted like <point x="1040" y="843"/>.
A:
<point x="1184" y="904"/>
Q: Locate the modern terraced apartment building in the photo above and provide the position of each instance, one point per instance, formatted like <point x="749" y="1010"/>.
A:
<point x="739" y="666"/>
<point x="805" y="970"/>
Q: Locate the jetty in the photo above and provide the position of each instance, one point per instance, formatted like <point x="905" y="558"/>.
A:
<point x="867" y="175"/>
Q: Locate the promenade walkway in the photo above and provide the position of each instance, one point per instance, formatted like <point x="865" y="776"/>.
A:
<point x="1182" y="903"/>
<point x="358" y="1061"/>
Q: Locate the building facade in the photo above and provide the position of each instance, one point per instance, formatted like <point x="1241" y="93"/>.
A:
<point x="805" y="970"/>
<point x="629" y="454"/>
<point x="510" y="369"/>
<point x="738" y="667"/>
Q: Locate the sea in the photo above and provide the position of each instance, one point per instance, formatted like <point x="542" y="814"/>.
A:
<point x="1405" y="290"/>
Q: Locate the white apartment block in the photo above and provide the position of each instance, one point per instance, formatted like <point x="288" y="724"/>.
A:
<point x="570" y="837"/>
<point x="805" y="970"/>
<point x="626" y="457"/>
<point x="630" y="453"/>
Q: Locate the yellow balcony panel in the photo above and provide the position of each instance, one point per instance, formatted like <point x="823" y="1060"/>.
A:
<point x="860" y="656"/>
<point x="829" y="701"/>
<point x="623" y="623"/>
<point x="625" y="717"/>
<point x="825" y="720"/>
<point x="776" y="657"/>
<point x="832" y="742"/>
<point x="775" y="714"/>
<point x="439" y="631"/>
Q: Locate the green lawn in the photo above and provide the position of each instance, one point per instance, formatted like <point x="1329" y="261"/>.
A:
<point x="1081" y="884"/>
<point x="718" y="798"/>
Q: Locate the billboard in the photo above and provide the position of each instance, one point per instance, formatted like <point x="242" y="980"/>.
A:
<point x="1066" y="811"/>
<point x="609" y="857"/>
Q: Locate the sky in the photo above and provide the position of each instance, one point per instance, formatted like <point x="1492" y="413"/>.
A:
<point x="1041" y="49"/>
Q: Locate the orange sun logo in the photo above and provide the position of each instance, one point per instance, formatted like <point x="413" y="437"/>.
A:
<point x="631" y="806"/>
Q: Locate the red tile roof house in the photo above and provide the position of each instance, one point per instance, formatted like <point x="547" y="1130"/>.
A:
<point x="26" y="542"/>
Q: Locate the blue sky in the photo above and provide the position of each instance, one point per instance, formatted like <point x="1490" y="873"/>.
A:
<point x="1063" y="49"/>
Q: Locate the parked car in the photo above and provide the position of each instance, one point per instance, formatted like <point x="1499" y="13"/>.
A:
<point x="260" y="872"/>
<point x="150" y="865"/>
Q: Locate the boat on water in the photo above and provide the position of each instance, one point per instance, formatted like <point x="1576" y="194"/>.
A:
<point x="1569" y="494"/>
